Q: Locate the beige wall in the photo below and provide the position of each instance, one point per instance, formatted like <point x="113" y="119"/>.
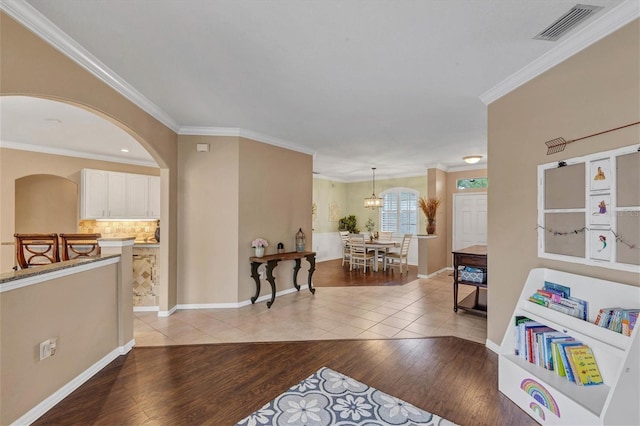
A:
<point x="238" y="191"/>
<point x="46" y="204"/>
<point x="31" y="67"/>
<point x="326" y="192"/>
<point x="15" y="164"/>
<point x="275" y="200"/>
<point x="80" y="310"/>
<point x="208" y="221"/>
<point x="358" y="191"/>
<point x="437" y="253"/>
<point x="595" y="90"/>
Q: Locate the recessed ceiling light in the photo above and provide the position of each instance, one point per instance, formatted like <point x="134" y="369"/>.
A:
<point x="472" y="159"/>
<point x="53" y="120"/>
<point x="124" y="150"/>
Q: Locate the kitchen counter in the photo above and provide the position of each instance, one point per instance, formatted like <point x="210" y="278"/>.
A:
<point x="7" y="277"/>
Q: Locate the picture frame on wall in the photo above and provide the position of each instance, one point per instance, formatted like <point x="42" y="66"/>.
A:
<point x="600" y="175"/>
<point x="600" y="209"/>
<point x="600" y="242"/>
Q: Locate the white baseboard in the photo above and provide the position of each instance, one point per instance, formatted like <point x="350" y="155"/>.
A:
<point x="146" y="308"/>
<point x="36" y="412"/>
<point x="435" y="273"/>
<point x="492" y="346"/>
<point x="238" y="304"/>
<point x="167" y="313"/>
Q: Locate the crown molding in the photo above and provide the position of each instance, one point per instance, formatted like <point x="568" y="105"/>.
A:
<point x="600" y="28"/>
<point x="77" y="154"/>
<point x="243" y="133"/>
<point x="37" y="23"/>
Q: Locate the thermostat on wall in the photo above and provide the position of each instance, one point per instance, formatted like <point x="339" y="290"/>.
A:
<point x="202" y="147"/>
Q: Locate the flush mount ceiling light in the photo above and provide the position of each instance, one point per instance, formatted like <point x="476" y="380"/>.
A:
<point x="124" y="150"/>
<point x="472" y="159"/>
<point x="373" y="202"/>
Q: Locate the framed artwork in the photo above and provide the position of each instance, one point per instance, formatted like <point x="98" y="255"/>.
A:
<point x="600" y="174"/>
<point x="334" y="211"/>
<point x="599" y="209"/>
<point x="600" y="241"/>
<point x="589" y="209"/>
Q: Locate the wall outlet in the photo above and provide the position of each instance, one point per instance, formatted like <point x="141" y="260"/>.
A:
<point x="45" y="349"/>
<point x="48" y="348"/>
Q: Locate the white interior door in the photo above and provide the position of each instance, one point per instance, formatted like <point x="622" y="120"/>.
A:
<point x="469" y="219"/>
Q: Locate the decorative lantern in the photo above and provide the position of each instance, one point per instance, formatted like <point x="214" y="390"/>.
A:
<point x="300" y="240"/>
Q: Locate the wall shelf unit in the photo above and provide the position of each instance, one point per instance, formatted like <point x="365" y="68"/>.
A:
<point x="553" y="400"/>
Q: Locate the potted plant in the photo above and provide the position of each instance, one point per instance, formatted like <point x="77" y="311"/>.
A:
<point x="429" y="207"/>
<point x="348" y="223"/>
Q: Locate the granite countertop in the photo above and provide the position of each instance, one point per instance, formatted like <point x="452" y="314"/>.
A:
<point x="6" y="277"/>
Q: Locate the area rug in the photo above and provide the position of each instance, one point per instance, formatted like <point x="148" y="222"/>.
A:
<point x="331" y="398"/>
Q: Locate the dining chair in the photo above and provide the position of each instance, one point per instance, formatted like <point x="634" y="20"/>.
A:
<point x="346" y="253"/>
<point x="79" y="245"/>
<point x="385" y="236"/>
<point x="36" y="250"/>
<point x="359" y="255"/>
<point x="397" y="259"/>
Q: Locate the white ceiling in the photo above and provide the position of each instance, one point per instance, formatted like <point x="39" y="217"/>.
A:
<point x="392" y="84"/>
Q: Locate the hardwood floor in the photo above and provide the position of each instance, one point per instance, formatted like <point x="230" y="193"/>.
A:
<point x="222" y="383"/>
<point x="331" y="273"/>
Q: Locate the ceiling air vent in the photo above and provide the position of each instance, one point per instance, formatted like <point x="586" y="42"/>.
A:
<point x="567" y="22"/>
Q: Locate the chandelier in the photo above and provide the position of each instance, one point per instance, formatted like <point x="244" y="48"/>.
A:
<point x="373" y="202"/>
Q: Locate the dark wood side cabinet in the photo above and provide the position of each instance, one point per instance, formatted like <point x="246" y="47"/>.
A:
<point x="475" y="257"/>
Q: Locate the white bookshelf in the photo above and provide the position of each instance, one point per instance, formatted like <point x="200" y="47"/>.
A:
<point x="553" y="400"/>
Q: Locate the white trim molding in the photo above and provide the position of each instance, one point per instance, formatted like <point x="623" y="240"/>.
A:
<point x="243" y="133"/>
<point x="76" y="154"/>
<point x="36" y="412"/>
<point x="606" y="24"/>
<point x="241" y="303"/>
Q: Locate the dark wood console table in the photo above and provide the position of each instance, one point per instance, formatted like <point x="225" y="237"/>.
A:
<point x="475" y="257"/>
<point x="272" y="260"/>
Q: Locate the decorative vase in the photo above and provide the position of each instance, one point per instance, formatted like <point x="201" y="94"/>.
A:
<point x="259" y="251"/>
<point x="300" y="241"/>
<point x="431" y="226"/>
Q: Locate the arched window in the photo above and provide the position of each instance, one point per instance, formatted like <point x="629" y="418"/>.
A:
<point x="400" y="212"/>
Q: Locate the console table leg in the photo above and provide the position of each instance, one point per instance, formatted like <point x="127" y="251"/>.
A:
<point x="311" y="258"/>
<point x="272" y="280"/>
<point x="455" y="288"/>
<point x="296" y="268"/>
<point x="256" y="278"/>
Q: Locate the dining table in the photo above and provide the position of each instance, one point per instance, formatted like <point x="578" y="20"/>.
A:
<point x="380" y="247"/>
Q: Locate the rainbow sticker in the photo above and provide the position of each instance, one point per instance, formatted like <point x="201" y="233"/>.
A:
<point x="537" y="409"/>
<point x="540" y="394"/>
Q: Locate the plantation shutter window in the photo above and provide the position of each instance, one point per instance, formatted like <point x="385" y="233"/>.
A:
<point x="400" y="212"/>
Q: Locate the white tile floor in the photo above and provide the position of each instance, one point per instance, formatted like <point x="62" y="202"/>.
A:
<point x="422" y="308"/>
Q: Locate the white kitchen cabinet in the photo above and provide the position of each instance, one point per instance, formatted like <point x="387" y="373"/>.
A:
<point x="93" y="197"/>
<point x="116" y="195"/>
<point x="137" y="196"/>
<point x="153" y="206"/>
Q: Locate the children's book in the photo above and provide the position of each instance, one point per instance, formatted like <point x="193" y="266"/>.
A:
<point x="519" y="319"/>
<point x="532" y="354"/>
<point x="562" y="290"/>
<point x="562" y="346"/>
<point x="584" y="365"/>
<point x="629" y="319"/>
<point x="548" y="338"/>
<point x="558" y="366"/>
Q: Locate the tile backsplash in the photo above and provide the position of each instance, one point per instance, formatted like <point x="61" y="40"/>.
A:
<point x="141" y="230"/>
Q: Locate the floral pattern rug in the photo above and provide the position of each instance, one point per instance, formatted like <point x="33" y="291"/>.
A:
<point x="331" y="398"/>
